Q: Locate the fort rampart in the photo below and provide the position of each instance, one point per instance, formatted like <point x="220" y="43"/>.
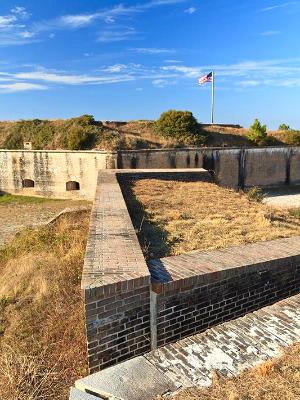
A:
<point x="73" y="174"/>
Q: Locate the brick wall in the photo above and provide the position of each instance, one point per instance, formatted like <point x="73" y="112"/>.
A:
<point x="131" y="307"/>
<point x="203" y="289"/>
<point x="115" y="281"/>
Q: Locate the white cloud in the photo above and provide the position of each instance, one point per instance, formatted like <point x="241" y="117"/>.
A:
<point x="172" y="61"/>
<point x="116" y="35"/>
<point x="280" y="73"/>
<point x="20" y="87"/>
<point x="53" y="77"/>
<point x="27" y="34"/>
<point x="190" y="10"/>
<point x="109" y="19"/>
<point x="14" y="29"/>
<point x="189" y="72"/>
<point x="7" y="21"/>
<point x="116" y="68"/>
<point x="277" y="6"/>
<point x="160" y="83"/>
<point x="77" y="21"/>
<point x="243" y="75"/>
<point x="152" y="50"/>
<point x="108" y="15"/>
<point x="21" y="12"/>
<point x="270" y="33"/>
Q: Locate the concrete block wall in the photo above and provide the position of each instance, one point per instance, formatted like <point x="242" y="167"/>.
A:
<point x="202" y="289"/>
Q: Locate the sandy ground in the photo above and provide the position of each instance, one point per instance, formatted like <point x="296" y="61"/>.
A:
<point x="284" y="197"/>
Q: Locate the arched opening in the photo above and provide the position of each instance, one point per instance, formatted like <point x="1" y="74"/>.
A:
<point x="72" y="185"/>
<point x="27" y="183"/>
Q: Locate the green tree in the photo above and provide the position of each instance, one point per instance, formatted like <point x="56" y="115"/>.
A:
<point x="284" y="127"/>
<point x="258" y="133"/>
<point x="177" y="124"/>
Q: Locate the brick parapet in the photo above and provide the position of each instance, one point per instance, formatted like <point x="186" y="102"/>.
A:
<point x="188" y="293"/>
<point x="115" y="281"/>
<point x="202" y="289"/>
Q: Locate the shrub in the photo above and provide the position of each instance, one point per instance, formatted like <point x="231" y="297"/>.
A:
<point x="255" y="194"/>
<point x="14" y="141"/>
<point x="284" y="127"/>
<point x="177" y="124"/>
<point x="292" y="137"/>
<point x="38" y="132"/>
<point x="80" y="138"/>
<point x="258" y="133"/>
<point x="84" y="120"/>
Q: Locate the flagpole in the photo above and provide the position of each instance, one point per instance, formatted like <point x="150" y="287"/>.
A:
<point x="212" y="97"/>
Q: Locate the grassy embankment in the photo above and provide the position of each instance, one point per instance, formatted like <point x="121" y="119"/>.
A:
<point x="86" y="133"/>
<point x="178" y="217"/>
<point x="42" y="335"/>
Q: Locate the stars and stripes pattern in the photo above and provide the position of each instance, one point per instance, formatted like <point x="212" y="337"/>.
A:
<point x="205" y="79"/>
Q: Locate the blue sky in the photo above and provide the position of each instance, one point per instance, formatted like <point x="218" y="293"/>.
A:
<point x="133" y="60"/>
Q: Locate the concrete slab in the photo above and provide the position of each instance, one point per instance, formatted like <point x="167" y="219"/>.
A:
<point x="135" y="379"/>
<point x="76" y="394"/>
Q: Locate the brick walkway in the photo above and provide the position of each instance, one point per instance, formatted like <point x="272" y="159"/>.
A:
<point x="228" y="348"/>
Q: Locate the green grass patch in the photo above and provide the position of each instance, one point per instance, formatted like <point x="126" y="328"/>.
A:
<point x="295" y="212"/>
<point x="12" y="199"/>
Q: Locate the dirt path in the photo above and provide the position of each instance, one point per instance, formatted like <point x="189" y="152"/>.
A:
<point x="15" y="216"/>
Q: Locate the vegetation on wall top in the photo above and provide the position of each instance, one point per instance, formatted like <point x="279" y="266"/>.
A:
<point x="174" y="128"/>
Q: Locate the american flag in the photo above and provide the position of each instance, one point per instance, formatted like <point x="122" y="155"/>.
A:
<point x="206" y="78"/>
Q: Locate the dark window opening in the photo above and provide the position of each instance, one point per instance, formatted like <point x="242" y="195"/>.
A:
<point x="28" y="183"/>
<point x="72" y="185"/>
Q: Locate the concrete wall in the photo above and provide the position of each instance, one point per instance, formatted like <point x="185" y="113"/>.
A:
<point x="50" y="170"/>
<point x="152" y="159"/>
<point x="295" y="166"/>
<point x="265" y="167"/>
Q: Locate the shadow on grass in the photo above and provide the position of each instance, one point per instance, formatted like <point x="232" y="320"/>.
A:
<point x="153" y="238"/>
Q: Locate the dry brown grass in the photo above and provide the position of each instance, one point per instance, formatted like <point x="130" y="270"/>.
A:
<point x="42" y="333"/>
<point x="278" y="379"/>
<point x="179" y="217"/>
